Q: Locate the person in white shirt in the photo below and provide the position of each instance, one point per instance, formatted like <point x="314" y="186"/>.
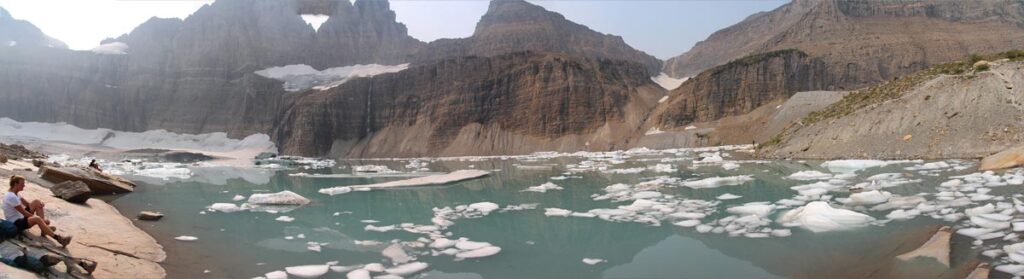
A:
<point x="25" y="214"/>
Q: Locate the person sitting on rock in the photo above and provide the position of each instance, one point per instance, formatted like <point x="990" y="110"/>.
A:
<point x="25" y="214"/>
<point x="94" y="165"/>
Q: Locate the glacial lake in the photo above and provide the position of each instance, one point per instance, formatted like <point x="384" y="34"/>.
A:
<point x="247" y="244"/>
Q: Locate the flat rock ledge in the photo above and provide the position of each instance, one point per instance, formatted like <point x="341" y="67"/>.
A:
<point x="100" y="233"/>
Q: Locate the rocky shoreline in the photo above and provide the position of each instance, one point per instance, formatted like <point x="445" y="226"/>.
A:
<point x="101" y="233"/>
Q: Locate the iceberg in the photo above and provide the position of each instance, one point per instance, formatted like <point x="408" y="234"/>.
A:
<point x="818" y="216"/>
<point x="407" y="269"/>
<point x="543" y="188"/>
<point x="713" y="182"/>
<point x="308" y="271"/>
<point x="479" y="253"/>
<point x="280" y="198"/>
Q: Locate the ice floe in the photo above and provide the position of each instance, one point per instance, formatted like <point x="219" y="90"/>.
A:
<point x="543" y="188"/>
<point x="452" y="177"/>
<point x="280" y="198"/>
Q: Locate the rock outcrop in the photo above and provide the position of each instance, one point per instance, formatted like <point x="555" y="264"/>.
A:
<point x="72" y="191"/>
<point x="98" y="182"/>
<point x="515" y="25"/>
<point x="865" y="42"/>
<point x="927" y="115"/>
<point x="741" y="86"/>
<point x="474" y="105"/>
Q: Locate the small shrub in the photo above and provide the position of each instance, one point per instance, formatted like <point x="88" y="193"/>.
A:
<point x="975" y="58"/>
<point x="982" y="67"/>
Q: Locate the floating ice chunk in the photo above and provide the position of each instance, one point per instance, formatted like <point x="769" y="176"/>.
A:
<point x="815" y="189"/>
<point x="687" y="223"/>
<point x="543" y="188"/>
<point x="186" y="238"/>
<point x="977" y="211"/>
<point x="1014" y="269"/>
<point x="276" y="275"/>
<point x="730" y="166"/>
<point x="396" y="254"/>
<point x="552" y="211"/>
<point x="592" y="261"/>
<point x="380" y="229"/>
<point x="452" y="177"/>
<point x="761" y="209"/>
<point x="977" y="233"/>
<point x="984" y="222"/>
<point x="484" y="207"/>
<point x="713" y="182"/>
<point x="308" y="271"/>
<point x="662" y="168"/>
<point x="728" y="196"/>
<point x="704" y="228"/>
<point x="407" y="269"/>
<point x="238" y="198"/>
<point x="225" y="207"/>
<point x="781" y="233"/>
<point x="850" y="166"/>
<point x="374" y="267"/>
<point x="901" y="214"/>
<point x="442" y="243"/>
<point x="347" y="268"/>
<point x="280" y="198"/>
<point x="466" y="244"/>
<point x="809" y="175"/>
<point x="818" y="216"/>
<point x="646" y="195"/>
<point x="479" y="253"/>
<point x="358" y="274"/>
<point x="618" y="187"/>
<point x="284" y="218"/>
<point x="869" y="197"/>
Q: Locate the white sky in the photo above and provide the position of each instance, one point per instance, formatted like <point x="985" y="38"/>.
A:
<point x="661" y="28"/>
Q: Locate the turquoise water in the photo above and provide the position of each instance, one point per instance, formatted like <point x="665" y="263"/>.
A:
<point x="249" y="244"/>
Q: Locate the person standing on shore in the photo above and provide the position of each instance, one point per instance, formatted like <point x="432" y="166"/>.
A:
<point x="25" y="214"/>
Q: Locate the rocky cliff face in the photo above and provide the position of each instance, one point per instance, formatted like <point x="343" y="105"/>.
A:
<point x="741" y="86"/>
<point x="16" y="32"/>
<point x="515" y="25"/>
<point x="424" y="110"/>
<point x="927" y="115"/>
<point x="865" y="42"/>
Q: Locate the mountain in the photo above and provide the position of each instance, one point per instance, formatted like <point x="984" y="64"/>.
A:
<point x="502" y="91"/>
<point x="865" y="42"/>
<point x="515" y="25"/>
<point x="19" y="32"/>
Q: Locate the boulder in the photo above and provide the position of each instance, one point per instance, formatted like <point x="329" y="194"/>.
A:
<point x="1004" y="159"/>
<point x="38" y="163"/>
<point x="3" y="159"/>
<point x="150" y="216"/>
<point x="72" y="191"/>
<point x="98" y="182"/>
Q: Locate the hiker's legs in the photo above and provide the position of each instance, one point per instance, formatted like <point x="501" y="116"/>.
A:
<point x="38" y="221"/>
<point x="37" y="208"/>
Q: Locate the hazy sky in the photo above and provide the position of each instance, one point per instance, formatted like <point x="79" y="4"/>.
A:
<point x="663" y="28"/>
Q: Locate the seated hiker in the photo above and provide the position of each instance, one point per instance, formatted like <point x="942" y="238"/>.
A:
<point x="25" y="214"/>
<point x="94" y="165"/>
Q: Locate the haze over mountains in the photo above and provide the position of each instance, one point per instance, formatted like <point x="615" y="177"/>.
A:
<point x="527" y="79"/>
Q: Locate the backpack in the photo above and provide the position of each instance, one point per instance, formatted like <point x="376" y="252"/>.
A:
<point x="7" y="230"/>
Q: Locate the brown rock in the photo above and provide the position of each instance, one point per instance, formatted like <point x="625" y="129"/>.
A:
<point x="3" y="159"/>
<point x="72" y="191"/>
<point x="98" y="182"/>
<point x="1006" y="159"/>
<point x="150" y="216"/>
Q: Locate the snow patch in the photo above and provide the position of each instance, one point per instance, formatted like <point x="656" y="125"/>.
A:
<point x="668" y="82"/>
<point x="115" y="48"/>
<point x="315" y="20"/>
<point x="298" y="77"/>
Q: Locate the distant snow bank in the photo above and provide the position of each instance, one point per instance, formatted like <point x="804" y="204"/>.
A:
<point x="298" y="77"/>
<point x="315" y="20"/>
<point x="115" y="48"/>
<point x="161" y="139"/>
<point x="668" y="82"/>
